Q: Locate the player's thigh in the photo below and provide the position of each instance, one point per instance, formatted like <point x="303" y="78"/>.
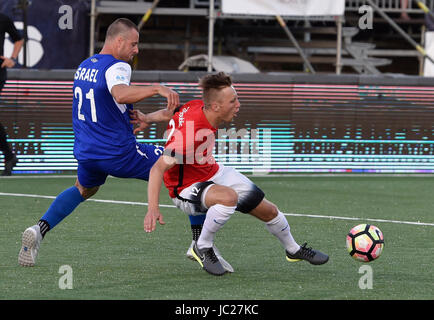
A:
<point x="249" y="194"/>
<point x="218" y="194"/>
<point x="136" y="164"/>
<point x="89" y="175"/>
<point x="145" y="157"/>
<point x="190" y="199"/>
<point x="197" y="198"/>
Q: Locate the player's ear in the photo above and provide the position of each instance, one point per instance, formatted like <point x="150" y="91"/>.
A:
<point x="215" y="106"/>
<point x="118" y="40"/>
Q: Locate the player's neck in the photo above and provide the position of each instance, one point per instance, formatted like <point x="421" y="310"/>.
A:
<point x="108" y="50"/>
<point x="212" y="118"/>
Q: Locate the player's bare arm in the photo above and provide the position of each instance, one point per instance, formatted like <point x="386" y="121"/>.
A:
<point x="9" y="62"/>
<point x="123" y="93"/>
<point x="143" y="120"/>
<point x="153" y="215"/>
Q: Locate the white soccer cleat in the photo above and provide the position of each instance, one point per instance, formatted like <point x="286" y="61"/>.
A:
<point x="224" y="263"/>
<point x="31" y="241"/>
<point x="189" y="253"/>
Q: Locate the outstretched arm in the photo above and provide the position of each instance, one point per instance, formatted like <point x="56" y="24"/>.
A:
<point x="144" y="120"/>
<point x="153" y="215"/>
<point x="123" y="93"/>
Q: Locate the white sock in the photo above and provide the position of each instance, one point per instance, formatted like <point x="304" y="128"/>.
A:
<point x="280" y="228"/>
<point x="216" y="217"/>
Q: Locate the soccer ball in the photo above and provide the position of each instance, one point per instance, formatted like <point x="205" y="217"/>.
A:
<point x="365" y="242"/>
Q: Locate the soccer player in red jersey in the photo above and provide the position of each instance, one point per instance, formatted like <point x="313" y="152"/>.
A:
<point x="198" y="184"/>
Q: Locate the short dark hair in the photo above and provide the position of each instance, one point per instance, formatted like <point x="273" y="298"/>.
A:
<point x="212" y="83"/>
<point x="120" y="26"/>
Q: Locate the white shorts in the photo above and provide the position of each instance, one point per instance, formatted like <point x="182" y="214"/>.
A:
<point x="192" y="199"/>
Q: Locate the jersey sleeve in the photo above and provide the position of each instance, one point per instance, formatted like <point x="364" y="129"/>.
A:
<point x="12" y="31"/>
<point x="118" y="73"/>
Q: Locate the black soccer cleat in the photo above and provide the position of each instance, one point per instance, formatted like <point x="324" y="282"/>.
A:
<point x="308" y="254"/>
<point x="208" y="260"/>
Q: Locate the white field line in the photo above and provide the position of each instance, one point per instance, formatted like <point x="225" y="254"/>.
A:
<point x="286" y="214"/>
<point x="94" y="200"/>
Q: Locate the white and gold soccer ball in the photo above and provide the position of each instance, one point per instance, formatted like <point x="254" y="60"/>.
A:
<point x="365" y="242"/>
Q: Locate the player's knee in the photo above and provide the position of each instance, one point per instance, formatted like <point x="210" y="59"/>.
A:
<point x="86" y="193"/>
<point x="89" y="192"/>
<point x="221" y="195"/>
<point x="231" y="198"/>
<point x="273" y="211"/>
<point x="268" y="211"/>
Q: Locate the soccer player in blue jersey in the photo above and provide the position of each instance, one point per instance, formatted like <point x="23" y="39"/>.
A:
<point x="103" y="119"/>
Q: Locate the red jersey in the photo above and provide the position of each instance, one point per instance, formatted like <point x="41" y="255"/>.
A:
<point x="191" y="140"/>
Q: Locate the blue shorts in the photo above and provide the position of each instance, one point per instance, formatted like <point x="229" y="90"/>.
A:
<point x="135" y="164"/>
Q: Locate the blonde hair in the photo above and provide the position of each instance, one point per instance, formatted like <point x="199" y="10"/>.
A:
<point x="211" y="84"/>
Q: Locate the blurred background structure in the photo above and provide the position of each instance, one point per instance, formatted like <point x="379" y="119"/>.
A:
<point x="325" y="85"/>
<point x="179" y="29"/>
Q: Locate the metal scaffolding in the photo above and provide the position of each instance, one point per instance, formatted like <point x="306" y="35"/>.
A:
<point x="360" y="58"/>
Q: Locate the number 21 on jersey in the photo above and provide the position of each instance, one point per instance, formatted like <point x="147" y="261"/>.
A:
<point x="78" y="94"/>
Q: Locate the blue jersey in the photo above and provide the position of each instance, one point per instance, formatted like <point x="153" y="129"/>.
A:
<point x="102" y="127"/>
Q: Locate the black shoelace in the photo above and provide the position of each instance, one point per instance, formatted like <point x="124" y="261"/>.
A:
<point x="306" y="252"/>
<point x="211" y="255"/>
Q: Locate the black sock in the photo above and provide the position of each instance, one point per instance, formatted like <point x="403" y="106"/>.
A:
<point x="196" y="229"/>
<point x="45" y="227"/>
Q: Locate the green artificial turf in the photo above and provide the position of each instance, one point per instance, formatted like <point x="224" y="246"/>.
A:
<point x="111" y="257"/>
